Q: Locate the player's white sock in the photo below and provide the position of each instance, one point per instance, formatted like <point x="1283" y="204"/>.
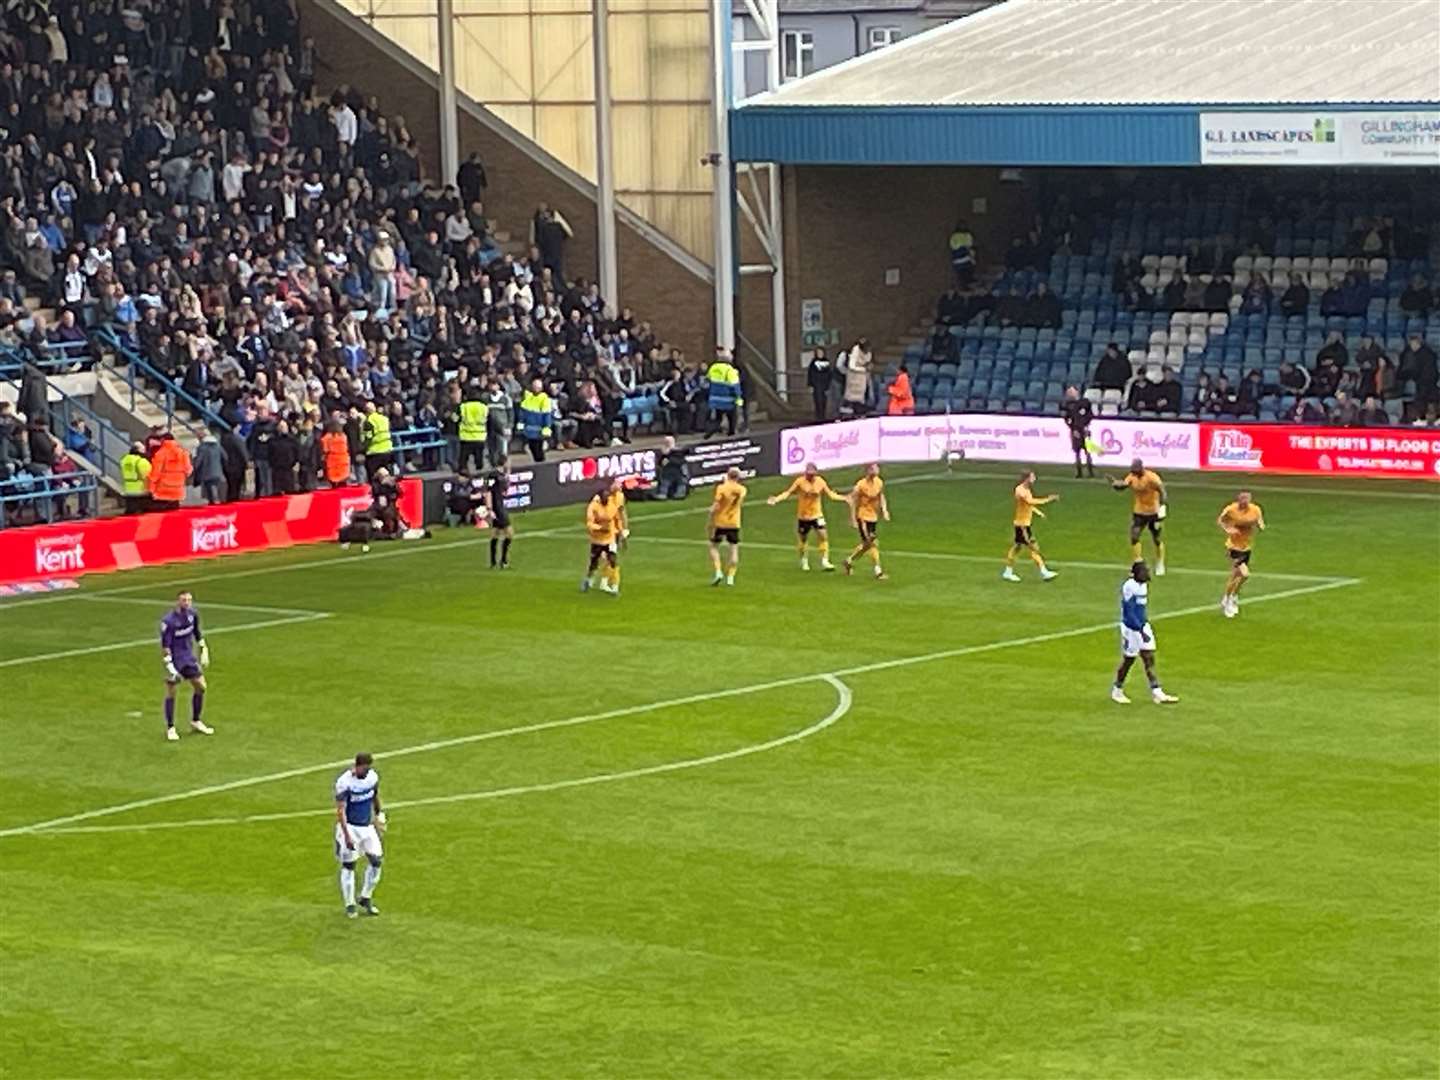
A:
<point x="347" y="884"/>
<point x="804" y="562"/>
<point x="372" y="878"/>
<point x="879" y="572"/>
<point x="1008" y="574"/>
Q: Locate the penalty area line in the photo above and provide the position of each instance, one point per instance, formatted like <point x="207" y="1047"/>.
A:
<point x="53" y="825"/>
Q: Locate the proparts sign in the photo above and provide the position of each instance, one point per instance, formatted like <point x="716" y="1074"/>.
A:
<point x="639" y="463"/>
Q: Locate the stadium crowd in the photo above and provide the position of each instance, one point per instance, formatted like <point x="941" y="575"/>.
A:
<point x="1347" y="378"/>
<point x="169" y="176"/>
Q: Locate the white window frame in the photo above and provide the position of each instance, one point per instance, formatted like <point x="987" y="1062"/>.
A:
<point x="877" y="37"/>
<point x="797" y="54"/>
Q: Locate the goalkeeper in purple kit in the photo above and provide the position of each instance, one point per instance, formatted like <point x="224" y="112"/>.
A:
<point x="186" y="654"/>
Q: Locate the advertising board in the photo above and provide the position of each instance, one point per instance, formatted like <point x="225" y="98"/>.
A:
<point x="102" y="545"/>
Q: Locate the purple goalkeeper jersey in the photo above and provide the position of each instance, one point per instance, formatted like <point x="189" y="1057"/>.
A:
<point x="179" y="631"/>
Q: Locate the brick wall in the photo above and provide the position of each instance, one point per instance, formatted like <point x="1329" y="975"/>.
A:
<point x="844" y="226"/>
<point x="677" y="303"/>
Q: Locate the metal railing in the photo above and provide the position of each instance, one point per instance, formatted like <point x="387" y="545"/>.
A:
<point x="138" y="374"/>
<point x="45" y="497"/>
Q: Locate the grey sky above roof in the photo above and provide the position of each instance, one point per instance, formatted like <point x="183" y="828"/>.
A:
<point x="1132" y="52"/>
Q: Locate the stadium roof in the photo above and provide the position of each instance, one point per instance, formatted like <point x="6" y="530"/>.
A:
<point x="1147" y="52"/>
<point x="1120" y="81"/>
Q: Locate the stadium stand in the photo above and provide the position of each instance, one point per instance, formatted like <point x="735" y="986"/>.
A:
<point x="180" y="203"/>
<point x="1188" y="295"/>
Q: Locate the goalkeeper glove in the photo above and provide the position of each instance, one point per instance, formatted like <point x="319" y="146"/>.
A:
<point x="170" y="670"/>
<point x="204" y="654"/>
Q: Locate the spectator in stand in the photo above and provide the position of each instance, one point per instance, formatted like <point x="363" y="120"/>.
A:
<point x="284" y="459"/>
<point x="1113" y="371"/>
<point x="1172" y="296"/>
<point x="1373" y="414"/>
<point x="1417" y="299"/>
<point x="535" y="418"/>
<point x="902" y="399"/>
<point x="1254" y="301"/>
<point x="234" y="463"/>
<point x="1296" y="299"/>
<point x="962" y="253"/>
<point x="549" y="232"/>
<point x="1042" y="309"/>
<point x="1293" y="380"/>
<point x="1218" y="291"/>
<point x="820" y="377"/>
<point x="1334" y="350"/>
<point x="383" y="264"/>
<point x="953" y="308"/>
<point x="335" y="454"/>
<point x="470" y="180"/>
<point x="1418" y="365"/>
<point x="1222" y="400"/>
<point x="169" y="473"/>
<point x="209" y="472"/>
<point x="1345" y="412"/>
<point x="262" y="431"/>
<point x="1169" y="395"/>
<point x="1250" y="394"/>
<point x="1332" y="300"/>
<point x="1127" y="271"/>
<point x="857" y="378"/>
<point x="588" y="412"/>
<point x="1010" y="308"/>
<point x="1306" y="411"/>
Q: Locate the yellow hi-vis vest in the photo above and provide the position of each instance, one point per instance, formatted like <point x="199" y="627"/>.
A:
<point x="474" y="417"/>
<point x="134" y="472"/>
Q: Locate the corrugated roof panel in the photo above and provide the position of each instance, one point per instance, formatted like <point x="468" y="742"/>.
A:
<point x="1139" y="52"/>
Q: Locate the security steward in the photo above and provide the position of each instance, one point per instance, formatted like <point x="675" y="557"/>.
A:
<point x="135" y="479"/>
<point x="473" y="428"/>
<point x="375" y="440"/>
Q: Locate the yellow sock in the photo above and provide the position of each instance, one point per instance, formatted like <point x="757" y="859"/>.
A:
<point x="715" y="561"/>
<point x="1010" y="557"/>
<point x="824" y="549"/>
<point x="856" y="553"/>
<point x="1135" y="552"/>
<point x="1037" y="559"/>
<point x="734" y="566"/>
<point x="800" y="546"/>
<point x="615" y="576"/>
<point x="1160" y="552"/>
<point x="875" y="554"/>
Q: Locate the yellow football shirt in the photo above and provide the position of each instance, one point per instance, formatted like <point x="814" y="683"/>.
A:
<point x="726" y="508"/>
<point x="810" y="495"/>
<point x="1245" y="523"/>
<point x="1146" y="489"/>
<point x="867" y="498"/>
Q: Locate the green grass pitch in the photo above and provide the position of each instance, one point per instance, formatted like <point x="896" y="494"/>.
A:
<point x="880" y="828"/>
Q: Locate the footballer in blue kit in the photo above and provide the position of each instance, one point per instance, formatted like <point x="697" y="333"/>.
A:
<point x="186" y="656"/>
<point x="358" y="823"/>
<point x="1137" y="637"/>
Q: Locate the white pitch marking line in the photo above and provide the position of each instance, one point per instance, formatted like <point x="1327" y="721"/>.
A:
<point x="1059" y="564"/>
<point x="154" y="640"/>
<point x="689" y="699"/>
<point x="843" y="702"/>
<point x="409" y="548"/>
<point x="161" y="601"/>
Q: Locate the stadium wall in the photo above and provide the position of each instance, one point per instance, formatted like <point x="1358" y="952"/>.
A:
<point x="846" y="226"/>
<point x="678" y="302"/>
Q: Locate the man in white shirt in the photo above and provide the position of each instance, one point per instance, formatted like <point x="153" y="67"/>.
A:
<point x="358" y="821"/>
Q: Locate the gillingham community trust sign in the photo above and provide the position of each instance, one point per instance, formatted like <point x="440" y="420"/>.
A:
<point x="1320" y="138"/>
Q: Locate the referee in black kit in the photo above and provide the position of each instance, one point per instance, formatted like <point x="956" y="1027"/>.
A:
<point x="1078" y="414"/>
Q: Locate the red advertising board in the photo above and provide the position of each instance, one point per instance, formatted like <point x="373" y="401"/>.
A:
<point x="123" y="543"/>
<point x="1401" y="453"/>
